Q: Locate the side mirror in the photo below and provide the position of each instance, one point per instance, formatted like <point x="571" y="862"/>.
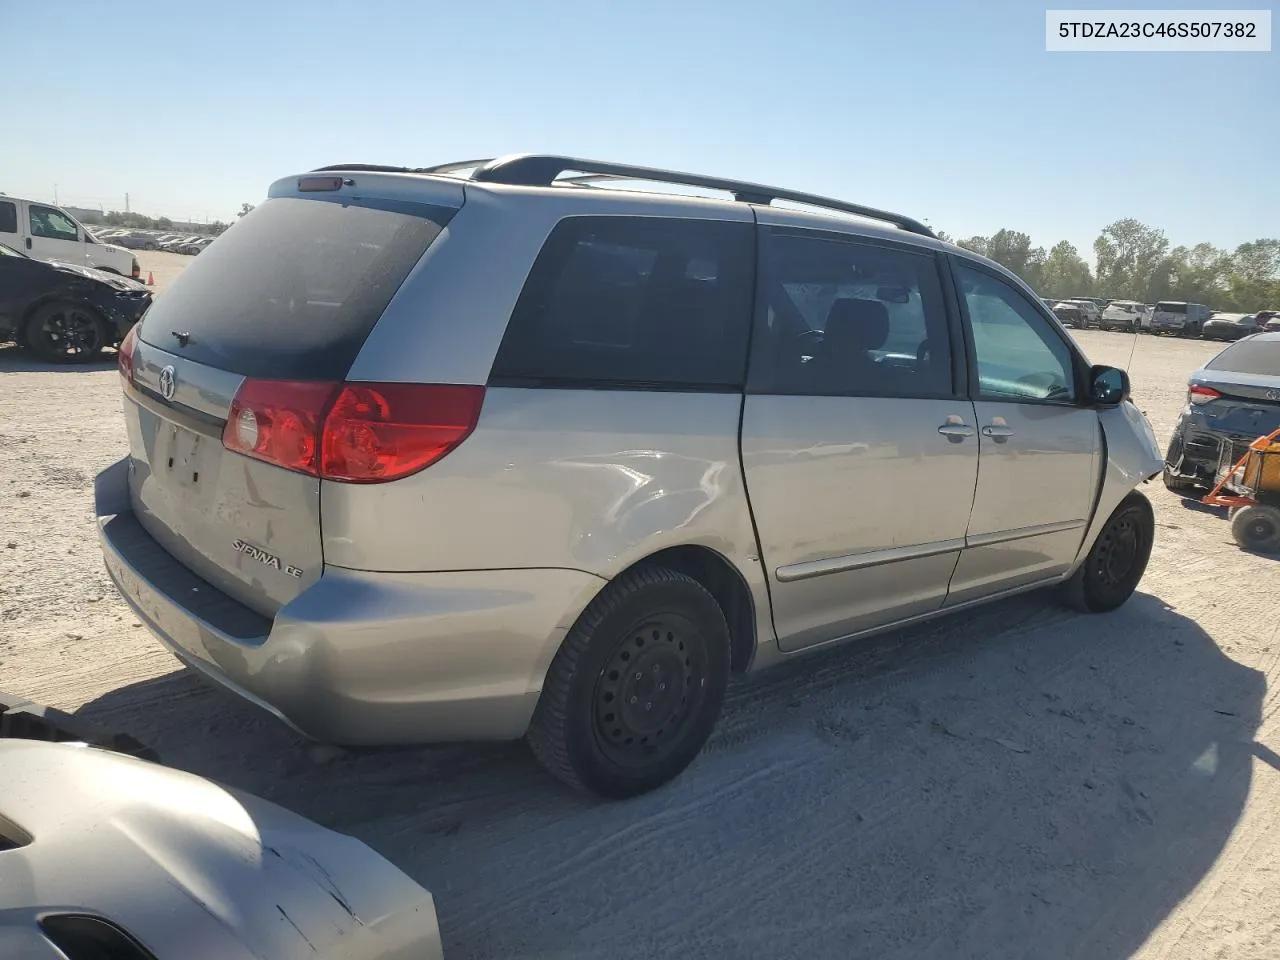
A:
<point x="1108" y="386"/>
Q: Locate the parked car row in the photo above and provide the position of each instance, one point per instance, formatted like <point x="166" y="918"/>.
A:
<point x="187" y="243"/>
<point x="1080" y="312"/>
<point x="1167" y="316"/>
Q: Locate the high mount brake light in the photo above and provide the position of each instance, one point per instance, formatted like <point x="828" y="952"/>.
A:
<point x="351" y="432"/>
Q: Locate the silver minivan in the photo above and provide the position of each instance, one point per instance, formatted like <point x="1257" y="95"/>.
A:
<point x="501" y="450"/>
<point x="1179" y="317"/>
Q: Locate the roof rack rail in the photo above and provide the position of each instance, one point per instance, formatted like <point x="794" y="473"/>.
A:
<point x="446" y="168"/>
<point x="538" y="170"/>
<point x="443" y="168"/>
<point x="367" y="167"/>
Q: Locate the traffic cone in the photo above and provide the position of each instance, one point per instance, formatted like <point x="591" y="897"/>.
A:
<point x="151" y="279"/>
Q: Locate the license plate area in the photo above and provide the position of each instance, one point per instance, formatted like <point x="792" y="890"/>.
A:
<point x="180" y="451"/>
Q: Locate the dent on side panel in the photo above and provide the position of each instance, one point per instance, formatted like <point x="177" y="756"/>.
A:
<point x="1133" y="457"/>
<point x="590" y="480"/>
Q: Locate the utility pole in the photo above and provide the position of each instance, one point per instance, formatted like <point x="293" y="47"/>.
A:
<point x="126" y="203"/>
<point x="55" y="195"/>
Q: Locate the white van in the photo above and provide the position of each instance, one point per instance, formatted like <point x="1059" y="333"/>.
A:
<point x="46" y="232"/>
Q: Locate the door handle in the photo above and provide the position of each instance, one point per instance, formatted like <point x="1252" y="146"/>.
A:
<point x="999" y="431"/>
<point x="28" y="243"/>
<point x="955" y="429"/>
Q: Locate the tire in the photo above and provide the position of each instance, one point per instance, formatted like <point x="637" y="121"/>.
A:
<point x="591" y="728"/>
<point x="1257" y="528"/>
<point x="1116" y="561"/>
<point x="1176" y="484"/>
<point x="65" y="332"/>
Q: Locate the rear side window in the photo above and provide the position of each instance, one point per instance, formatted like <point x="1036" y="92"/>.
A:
<point x="1258" y="357"/>
<point x="844" y="318"/>
<point x="8" y="217"/>
<point x="293" y="289"/>
<point x="633" y="301"/>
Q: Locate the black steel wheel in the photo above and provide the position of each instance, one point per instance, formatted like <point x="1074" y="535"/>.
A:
<point x="654" y="679"/>
<point x="65" y="332"/>
<point x="636" y="687"/>
<point x="1117" y="559"/>
<point x="1257" y="528"/>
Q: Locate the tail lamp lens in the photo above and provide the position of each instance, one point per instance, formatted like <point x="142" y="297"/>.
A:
<point x="1199" y="394"/>
<point x="351" y="432"/>
<point x="124" y="358"/>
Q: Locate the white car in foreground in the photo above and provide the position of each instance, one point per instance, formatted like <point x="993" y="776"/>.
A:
<point x="106" y="856"/>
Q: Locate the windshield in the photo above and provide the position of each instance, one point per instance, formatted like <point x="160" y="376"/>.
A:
<point x="294" y="290"/>
<point x="1260" y="357"/>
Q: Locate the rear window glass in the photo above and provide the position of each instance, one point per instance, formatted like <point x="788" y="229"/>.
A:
<point x="1171" y="307"/>
<point x="1260" y="357"/>
<point x="634" y="301"/>
<point x="293" y="289"/>
<point x="8" y="217"/>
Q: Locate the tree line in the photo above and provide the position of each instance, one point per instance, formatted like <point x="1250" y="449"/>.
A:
<point x="1136" y="262"/>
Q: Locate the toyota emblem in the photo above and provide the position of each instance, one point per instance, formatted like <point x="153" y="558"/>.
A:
<point x="168" y="383"/>
<point x="1273" y="394"/>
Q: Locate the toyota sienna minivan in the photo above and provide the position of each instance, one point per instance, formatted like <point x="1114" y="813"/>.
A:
<point x="501" y="450"/>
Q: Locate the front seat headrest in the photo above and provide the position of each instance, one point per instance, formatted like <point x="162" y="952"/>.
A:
<point x="856" y="325"/>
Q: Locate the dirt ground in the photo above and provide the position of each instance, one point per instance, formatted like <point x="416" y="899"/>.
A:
<point x="163" y="267"/>
<point x="1016" y="782"/>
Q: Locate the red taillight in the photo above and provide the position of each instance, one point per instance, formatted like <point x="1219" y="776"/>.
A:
<point x="353" y="432"/>
<point x="383" y="431"/>
<point x="1198" y="394"/>
<point x="125" y="356"/>
<point x="279" y="421"/>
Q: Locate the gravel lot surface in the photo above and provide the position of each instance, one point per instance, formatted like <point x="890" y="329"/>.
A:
<point x="1016" y="782"/>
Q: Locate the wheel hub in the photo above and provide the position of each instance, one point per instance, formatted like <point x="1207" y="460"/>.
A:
<point x="1261" y="529"/>
<point x="1119" y="550"/>
<point x="644" y="691"/>
<point x="69" y="330"/>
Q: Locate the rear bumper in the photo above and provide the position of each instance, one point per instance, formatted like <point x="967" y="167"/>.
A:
<point x="1194" y="452"/>
<point x="357" y="658"/>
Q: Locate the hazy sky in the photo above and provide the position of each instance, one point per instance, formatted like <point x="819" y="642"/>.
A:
<point x="948" y="111"/>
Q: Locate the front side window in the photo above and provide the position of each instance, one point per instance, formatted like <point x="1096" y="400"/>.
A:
<point x="634" y="301"/>
<point x="846" y="318"/>
<point x="51" y="224"/>
<point x="8" y="217"/>
<point x="1017" y="352"/>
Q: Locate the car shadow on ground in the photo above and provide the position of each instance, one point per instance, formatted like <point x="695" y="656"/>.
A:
<point x="1019" y="781"/>
<point x="14" y="359"/>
